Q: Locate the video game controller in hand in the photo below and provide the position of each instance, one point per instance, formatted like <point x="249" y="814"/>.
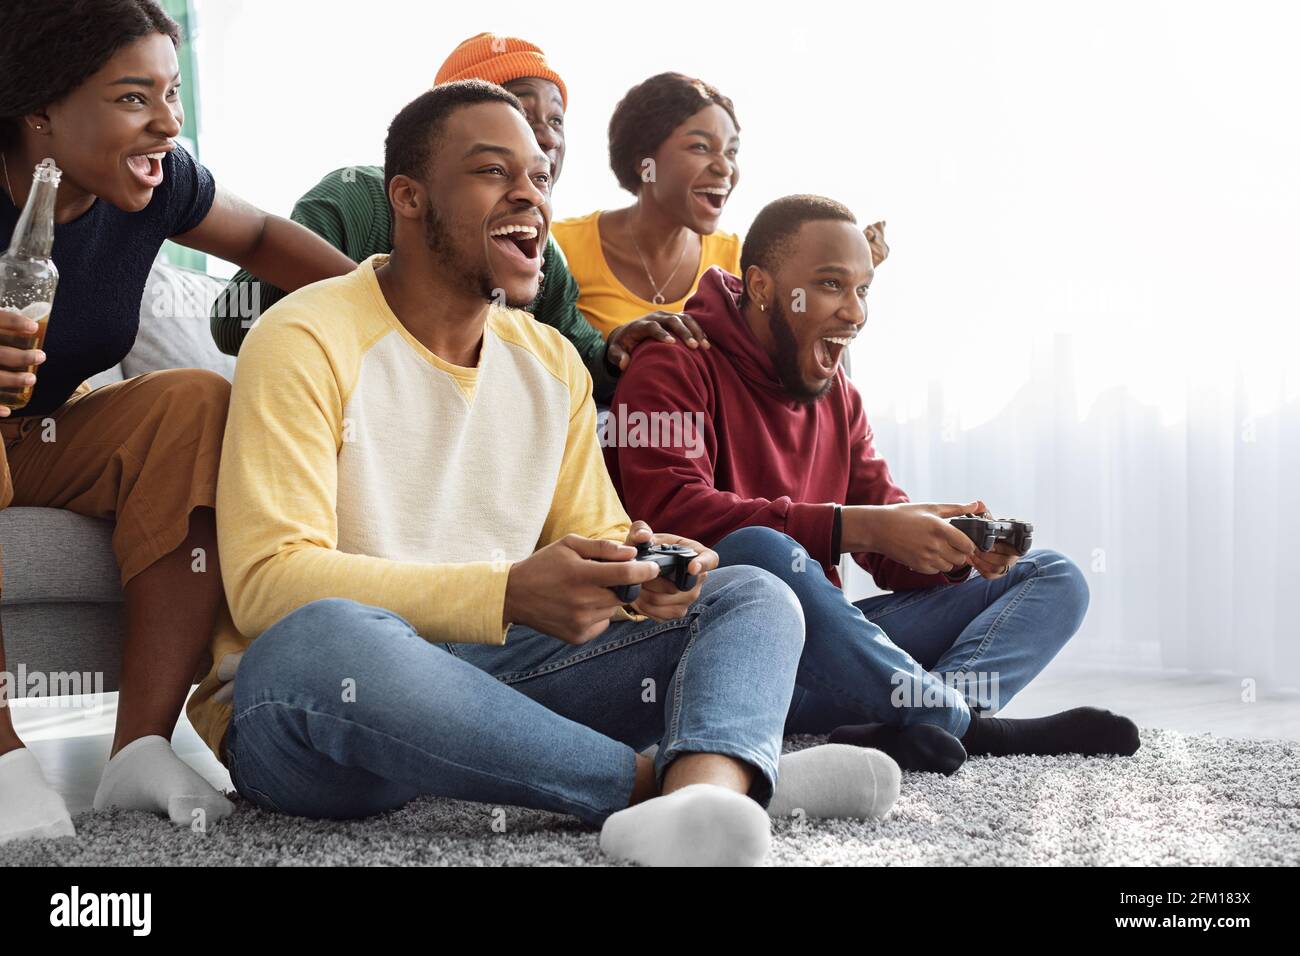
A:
<point x="985" y="532"/>
<point x="673" y="560"/>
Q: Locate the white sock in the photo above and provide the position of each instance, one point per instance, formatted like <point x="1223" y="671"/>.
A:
<point x="699" y="825"/>
<point x="838" y="781"/>
<point x="146" y="774"/>
<point x="29" y="807"/>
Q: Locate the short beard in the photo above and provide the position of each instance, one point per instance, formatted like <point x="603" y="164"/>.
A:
<point x="475" y="280"/>
<point x="786" y="358"/>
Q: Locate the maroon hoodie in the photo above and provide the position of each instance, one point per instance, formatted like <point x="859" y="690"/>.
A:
<point x="760" y="459"/>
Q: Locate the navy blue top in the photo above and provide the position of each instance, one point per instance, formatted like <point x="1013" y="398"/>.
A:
<point x="104" y="257"/>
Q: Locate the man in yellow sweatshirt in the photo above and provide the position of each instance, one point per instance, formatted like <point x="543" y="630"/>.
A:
<point x="419" y="540"/>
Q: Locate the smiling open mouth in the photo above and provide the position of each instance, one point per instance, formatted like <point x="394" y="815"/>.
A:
<point x="828" y="351"/>
<point x="147" y="168"/>
<point x="517" y="241"/>
<point x="712" y="196"/>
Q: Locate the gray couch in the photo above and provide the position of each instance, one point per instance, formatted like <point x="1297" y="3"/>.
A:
<point x="62" y="603"/>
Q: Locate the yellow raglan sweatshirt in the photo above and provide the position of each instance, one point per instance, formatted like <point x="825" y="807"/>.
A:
<point x="358" y="464"/>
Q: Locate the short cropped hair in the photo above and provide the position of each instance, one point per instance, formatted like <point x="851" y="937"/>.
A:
<point x="769" y="238"/>
<point x="415" y="131"/>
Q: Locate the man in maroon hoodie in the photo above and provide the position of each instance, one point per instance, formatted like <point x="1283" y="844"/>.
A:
<point x="759" y="447"/>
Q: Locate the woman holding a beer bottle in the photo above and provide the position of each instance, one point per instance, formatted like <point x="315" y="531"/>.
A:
<point x="93" y="87"/>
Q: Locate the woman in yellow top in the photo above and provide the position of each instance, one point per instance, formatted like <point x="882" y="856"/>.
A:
<point x="673" y="142"/>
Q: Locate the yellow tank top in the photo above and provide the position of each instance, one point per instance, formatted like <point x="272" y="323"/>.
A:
<point x="605" y="301"/>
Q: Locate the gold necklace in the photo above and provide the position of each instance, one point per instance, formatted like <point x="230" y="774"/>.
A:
<point x="658" y="297"/>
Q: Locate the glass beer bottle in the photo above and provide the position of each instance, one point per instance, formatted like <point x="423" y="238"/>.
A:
<point x="27" y="275"/>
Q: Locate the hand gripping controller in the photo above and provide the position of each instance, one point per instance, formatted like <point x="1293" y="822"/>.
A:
<point x="986" y="532"/>
<point x="672" y="559"/>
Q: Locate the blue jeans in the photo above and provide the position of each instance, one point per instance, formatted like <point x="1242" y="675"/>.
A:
<point x="917" y="657"/>
<point x="342" y="710"/>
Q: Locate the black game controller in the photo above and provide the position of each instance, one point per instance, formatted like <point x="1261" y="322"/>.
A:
<point x="672" y="559"/>
<point x="986" y="532"/>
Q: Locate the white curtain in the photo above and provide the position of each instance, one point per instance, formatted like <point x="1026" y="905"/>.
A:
<point x="1093" y="323"/>
<point x="1183" y="526"/>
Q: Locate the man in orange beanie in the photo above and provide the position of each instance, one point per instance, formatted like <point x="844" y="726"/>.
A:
<point x="349" y="208"/>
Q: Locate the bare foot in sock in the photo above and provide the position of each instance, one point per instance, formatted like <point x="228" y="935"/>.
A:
<point x="146" y="774"/>
<point x="922" y="747"/>
<point x="1089" y="731"/>
<point x="30" y="809"/>
<point x="699" y="825"/>
<point x="835" y="781"/>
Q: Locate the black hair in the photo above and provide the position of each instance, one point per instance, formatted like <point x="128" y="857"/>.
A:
<point x="416" y="129"/>
<point x="49" y="49"/>
<point x="768" y="241"/>
<point x="648" y="114"/>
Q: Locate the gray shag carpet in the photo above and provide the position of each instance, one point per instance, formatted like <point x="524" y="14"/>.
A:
<point x="1182" y="800"/>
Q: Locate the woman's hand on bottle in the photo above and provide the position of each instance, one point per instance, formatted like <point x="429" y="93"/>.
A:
<point x="16" y="364"/>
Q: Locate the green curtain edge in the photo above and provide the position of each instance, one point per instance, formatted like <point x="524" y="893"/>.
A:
<point x="183" y="13"/>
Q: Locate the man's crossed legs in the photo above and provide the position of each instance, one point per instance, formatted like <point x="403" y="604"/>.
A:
<point x="923" y="668"/>
<point x="343" y="710"/>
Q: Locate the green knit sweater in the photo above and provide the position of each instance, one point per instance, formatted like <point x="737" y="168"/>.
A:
<point x="349" y="210"/>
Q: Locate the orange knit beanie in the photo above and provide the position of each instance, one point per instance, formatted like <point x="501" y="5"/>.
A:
<point x="499" y="59"/>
